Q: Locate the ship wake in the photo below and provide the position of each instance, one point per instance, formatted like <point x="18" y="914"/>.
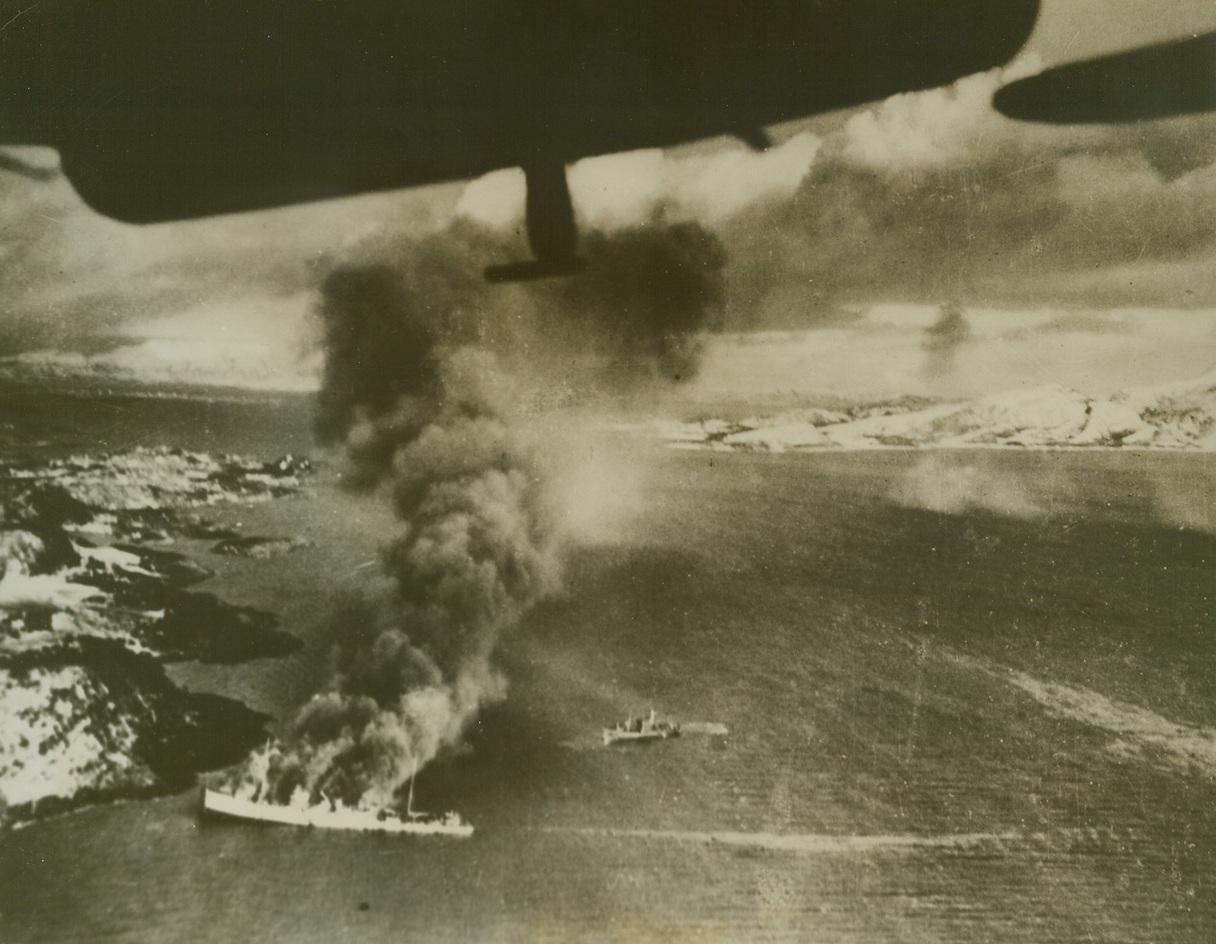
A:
<point x="809" y="843"/>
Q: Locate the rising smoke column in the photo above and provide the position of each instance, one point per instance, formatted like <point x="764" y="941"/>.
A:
<point x="647" y="295"/>
<point x="944" y="337"/>
<point x="417" y="394"/>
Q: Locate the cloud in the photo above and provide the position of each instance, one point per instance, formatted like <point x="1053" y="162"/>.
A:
<point x="69" y="276"/>
<point x="934" y="196"/>
<point x="621" y="190"/>
<point x="255" y="341"/>
<point x="930" y="130"/>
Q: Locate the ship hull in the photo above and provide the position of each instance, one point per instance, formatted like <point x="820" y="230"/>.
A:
<point x="633" y="737"/>
<point x="226" y="806"/>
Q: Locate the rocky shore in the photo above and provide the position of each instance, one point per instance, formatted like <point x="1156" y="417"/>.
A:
<point x="89" y="615"/>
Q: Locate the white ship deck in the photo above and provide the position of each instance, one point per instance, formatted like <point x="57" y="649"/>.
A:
<point x="323" y="816"/>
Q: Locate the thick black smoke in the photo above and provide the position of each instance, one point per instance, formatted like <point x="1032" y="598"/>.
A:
<point x="647" y="295"/>
<point x="636" y="315"/>
<point x="417" y="388"/>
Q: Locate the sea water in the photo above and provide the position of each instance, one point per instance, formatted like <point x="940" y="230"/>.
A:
<point x="974" y="709"/>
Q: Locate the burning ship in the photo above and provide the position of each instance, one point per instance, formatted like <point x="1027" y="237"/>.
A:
<point x="650" y="728"/>
<point x="331" y="814"/>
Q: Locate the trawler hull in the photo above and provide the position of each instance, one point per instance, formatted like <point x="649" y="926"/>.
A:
<point x="613" y="736"/>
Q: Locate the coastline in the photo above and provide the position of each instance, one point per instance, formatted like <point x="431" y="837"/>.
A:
<point x="89" y="623"/>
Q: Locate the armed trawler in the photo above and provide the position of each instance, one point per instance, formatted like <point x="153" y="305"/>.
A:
<point x="650" y="728"/>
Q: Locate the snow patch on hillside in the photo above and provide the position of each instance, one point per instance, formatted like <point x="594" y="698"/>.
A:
<point x="1175" y="416"/>
<point x="56" y="741"/>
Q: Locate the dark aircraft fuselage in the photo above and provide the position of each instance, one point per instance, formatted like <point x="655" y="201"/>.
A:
<point x="165" y="109"/>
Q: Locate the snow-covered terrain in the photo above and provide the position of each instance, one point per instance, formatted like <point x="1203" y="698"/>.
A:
<point x="52" y="745"/>
<point x="161" y="478"/>
<point x="86" y="708"/>
<point x="1176" y="416"/>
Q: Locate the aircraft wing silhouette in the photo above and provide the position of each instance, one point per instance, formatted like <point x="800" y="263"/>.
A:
<point x="1161" y="81"/>
<point x="172" y="109"/>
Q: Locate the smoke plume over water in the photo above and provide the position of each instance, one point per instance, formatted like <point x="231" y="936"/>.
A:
<point x="952" y="485"/>
<point x="944" y="337"/>
<point x="418" y="390"/>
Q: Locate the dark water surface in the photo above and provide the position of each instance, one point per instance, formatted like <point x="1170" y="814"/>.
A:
<point x="991" y="725"/>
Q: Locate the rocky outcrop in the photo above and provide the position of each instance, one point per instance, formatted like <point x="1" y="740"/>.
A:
<point x="95" y="719"/>
<point x="86" y="708"/>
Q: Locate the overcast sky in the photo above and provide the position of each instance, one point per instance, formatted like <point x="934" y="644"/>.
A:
<point x="919" y="200"/>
